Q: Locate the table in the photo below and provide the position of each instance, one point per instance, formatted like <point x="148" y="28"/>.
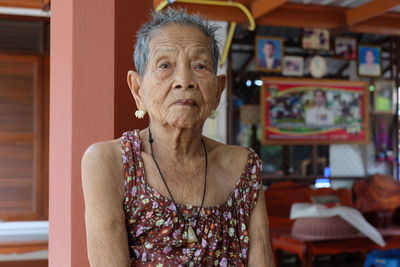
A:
<point x="307" y="249"/>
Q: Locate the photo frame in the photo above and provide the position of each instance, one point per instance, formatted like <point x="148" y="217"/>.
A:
<point x="369" y="61"/>
<point x="346" y="48"/>
<point x="269" y="54"/>
<point x="316" y="39"/>
<point x="293" y="66"/>
<point x="309" y="111"/>
<point x="318" y="67"/>
<point x="384" y="97"/>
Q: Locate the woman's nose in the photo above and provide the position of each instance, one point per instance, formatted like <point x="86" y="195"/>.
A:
<point x="183" y="78"/>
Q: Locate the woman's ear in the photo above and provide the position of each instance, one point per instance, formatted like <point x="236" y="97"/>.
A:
<point x="221" y="84"/>
<point x="134" y="83"/>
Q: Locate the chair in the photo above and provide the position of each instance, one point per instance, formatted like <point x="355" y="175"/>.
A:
<point x="279" y="199"/>
<point x="280" y="196"/>
<point x="377" y="198"/>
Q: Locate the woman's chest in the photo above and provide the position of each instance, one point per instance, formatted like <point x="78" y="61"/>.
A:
<point x="191" y="186"/>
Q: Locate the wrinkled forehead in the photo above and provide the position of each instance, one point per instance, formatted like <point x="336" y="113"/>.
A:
<point x="172" y="37"/>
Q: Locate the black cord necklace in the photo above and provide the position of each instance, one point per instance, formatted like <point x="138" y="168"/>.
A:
<point x="189" y="233"/>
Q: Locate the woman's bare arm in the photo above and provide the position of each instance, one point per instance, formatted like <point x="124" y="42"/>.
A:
<point x="102" y="180"/>
<point x="260" y="253"/>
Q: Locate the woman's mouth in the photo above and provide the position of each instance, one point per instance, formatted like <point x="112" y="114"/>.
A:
<point x="186" y="102"/>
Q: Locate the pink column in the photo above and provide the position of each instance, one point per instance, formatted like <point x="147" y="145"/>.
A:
<point x="89" y="101"/>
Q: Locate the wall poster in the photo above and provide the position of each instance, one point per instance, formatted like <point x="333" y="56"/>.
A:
<point x="310" y="111"/>
<point x="269" y="53"/>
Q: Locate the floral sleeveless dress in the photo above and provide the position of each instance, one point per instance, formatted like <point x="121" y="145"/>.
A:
<point x="153" y="226"/>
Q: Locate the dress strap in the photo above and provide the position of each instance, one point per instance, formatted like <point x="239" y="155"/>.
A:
<point x="255" y="181"/>
<point x="130" y="150"/>
<point x="251" y="183"/>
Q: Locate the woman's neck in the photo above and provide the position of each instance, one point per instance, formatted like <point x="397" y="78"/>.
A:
<point x="176" y="142"/>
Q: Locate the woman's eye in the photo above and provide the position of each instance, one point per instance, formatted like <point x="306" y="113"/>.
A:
<point x="200" y="66"/>
<point x="164" y="66"/>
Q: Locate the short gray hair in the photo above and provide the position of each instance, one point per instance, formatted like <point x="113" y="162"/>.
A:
<point x="172" y="16"/>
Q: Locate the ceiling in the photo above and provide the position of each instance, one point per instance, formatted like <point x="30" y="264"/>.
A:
<point x="364" y="16"/>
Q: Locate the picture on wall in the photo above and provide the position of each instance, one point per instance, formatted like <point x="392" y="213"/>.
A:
<point x="369" y="61"/>
<point x="315" y="39"/>
<point x="293" y="66"/>
<point x="318" y="67"/>
<point x="346" y="47"/>
<point x="384" y="97"/>
<point x="308" y="111"/>
<point x="269" y="54"/>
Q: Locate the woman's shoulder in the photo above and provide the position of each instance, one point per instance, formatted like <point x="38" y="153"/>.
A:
<point x="233" y="158"/>
<point x="102" y="182"/>
<point x="105" y="150"/>
<point x="231" y="152"/>
<point x="102" y="158"/>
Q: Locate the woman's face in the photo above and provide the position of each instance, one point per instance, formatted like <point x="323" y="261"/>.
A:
<point x="179" y="87"/>
<point x="369" y="57"/>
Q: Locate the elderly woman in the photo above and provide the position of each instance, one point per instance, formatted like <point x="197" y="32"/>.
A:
<point x="167" y="195"/>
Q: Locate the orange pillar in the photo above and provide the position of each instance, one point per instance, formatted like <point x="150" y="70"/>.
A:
<point x="91" y="52"/>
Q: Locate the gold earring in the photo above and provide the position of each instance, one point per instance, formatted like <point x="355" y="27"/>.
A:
<point x="140" y="113"/>
<point x="213" y="115"/>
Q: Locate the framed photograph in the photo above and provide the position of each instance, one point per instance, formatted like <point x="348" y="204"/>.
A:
<point x="293" y="66"/>
<point x="369" y="61"/>
<point x="269" y="54"/>
<point x="318" y="67"/>
<point x="384" y="97"/>
<point x="309" y="111"/>
<point x="346" y="47"/>
<point x="316" y="39"/>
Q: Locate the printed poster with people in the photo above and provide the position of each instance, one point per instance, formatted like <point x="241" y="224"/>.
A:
<point x="314" y="111"/>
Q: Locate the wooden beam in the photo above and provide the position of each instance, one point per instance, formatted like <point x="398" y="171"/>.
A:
<point x="244" y="2"/>
<point x="333" y="18"/>
<point x="304" y="16"/>
<point x="22" y="3"/>
<point x="369" y="10"/>
<point x="388" y="24"/>
<point x="261" y="7"/>
<point x="231" y="14"/>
